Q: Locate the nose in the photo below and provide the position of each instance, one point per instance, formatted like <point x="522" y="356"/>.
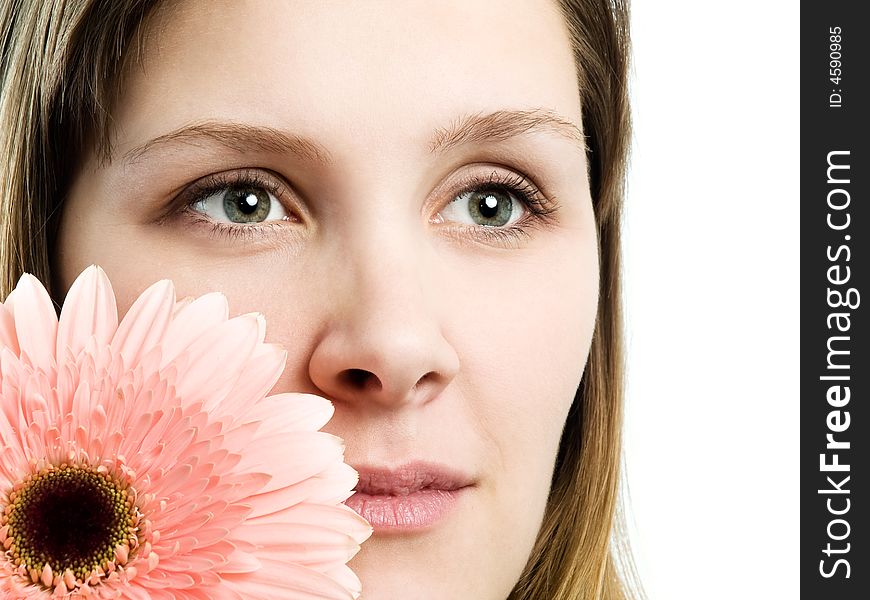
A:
<point x="382" y="346"/>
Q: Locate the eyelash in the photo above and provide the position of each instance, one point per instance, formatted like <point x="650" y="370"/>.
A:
<point x="219" y="182"/>
<point x="540" y="208"/>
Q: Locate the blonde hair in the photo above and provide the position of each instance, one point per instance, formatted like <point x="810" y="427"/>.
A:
<point x="582" y="550"/>
<point x="61" y="70"/>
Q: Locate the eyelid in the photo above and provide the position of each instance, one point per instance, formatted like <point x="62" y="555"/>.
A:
<point x="211" y="184"/>
<point x="541" y="209"/>
<point x="526" y="190"/>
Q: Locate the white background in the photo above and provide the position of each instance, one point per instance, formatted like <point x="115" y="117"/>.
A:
<point x="712" y="220"/>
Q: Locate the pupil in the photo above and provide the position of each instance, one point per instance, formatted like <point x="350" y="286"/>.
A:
<point x="489" y="206"/>
<point x="247" y="201"/>
<point x="71" y="520"/>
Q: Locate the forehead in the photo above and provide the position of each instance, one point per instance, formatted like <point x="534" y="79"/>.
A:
<point x="337" y="69"/>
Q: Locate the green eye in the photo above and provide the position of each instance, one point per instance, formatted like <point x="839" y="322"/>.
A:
<point x="241" y="205"/>
<point x="484" y="207"/>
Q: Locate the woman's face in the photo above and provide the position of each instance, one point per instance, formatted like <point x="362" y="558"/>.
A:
<point x="400" y="187"/>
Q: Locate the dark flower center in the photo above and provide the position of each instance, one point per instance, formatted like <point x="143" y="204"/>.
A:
<point x="69" y="517"/>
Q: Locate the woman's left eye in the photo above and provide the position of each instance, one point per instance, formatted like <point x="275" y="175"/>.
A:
<point x="486" y="207"/>
<point x="239" y="204"/>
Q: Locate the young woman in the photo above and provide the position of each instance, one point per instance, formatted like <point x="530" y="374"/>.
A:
<point x="422" y="198"/>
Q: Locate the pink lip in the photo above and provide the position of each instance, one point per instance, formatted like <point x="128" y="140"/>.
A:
<point x="411" y="497"/>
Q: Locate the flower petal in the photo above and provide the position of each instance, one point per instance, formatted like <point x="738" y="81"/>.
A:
<point x="288" y="581"/>
<point x="292" y="411"/>
<point x="35" y="322"/>
<point x="337" y="518"/>
<point x="145" y="323"/>
<point x="8" y="337"/>
<point x="88" y="310"/>
<point x="217" y="360"/>
<point x="193" y="320"/>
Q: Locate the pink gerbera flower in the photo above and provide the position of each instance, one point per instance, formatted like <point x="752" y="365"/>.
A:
<point x="145" y="460"/>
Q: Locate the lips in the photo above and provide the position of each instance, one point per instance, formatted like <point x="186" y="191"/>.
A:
<point x="412" y="497"/>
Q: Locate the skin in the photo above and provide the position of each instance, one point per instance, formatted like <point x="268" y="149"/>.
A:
<point x="472" y="346"/>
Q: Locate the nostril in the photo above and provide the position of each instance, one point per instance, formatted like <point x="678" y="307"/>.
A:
<point x="427" y="377"/>
<point x="359" y="378"/>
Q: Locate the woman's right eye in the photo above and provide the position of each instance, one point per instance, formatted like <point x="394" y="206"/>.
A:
<point x="241" y="204"/>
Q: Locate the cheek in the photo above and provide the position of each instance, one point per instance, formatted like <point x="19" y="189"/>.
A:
<point x="522" y="361"/>
<point x="528" y="326"/>
<point x="523" y="340"/>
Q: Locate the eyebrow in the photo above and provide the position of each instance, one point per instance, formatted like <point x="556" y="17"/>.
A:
<point x="239" y="137"/>
<point x="481" y="127"/>
<point x="503" y="125"/>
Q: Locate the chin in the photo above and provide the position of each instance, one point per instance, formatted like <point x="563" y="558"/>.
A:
<point x="422" y="568"/>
